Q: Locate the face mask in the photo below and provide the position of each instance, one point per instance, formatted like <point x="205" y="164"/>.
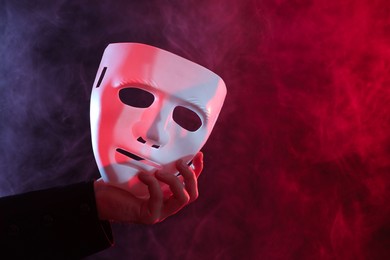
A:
<point x="150" y="108"/>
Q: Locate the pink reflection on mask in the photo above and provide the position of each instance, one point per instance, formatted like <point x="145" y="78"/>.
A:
<point x="150" y="108"/>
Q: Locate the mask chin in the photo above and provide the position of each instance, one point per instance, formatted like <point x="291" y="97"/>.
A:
<point x="124" y="176"/>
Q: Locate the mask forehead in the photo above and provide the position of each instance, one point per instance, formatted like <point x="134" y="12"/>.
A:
<point x="173" y="75"/>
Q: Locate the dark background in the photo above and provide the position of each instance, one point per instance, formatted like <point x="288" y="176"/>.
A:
<point x="298" y="164"/>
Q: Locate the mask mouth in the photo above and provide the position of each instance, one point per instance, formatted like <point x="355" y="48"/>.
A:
<point x="138" y="158"/>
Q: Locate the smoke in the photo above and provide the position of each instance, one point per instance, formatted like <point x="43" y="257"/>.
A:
<point x="297" y="165"/>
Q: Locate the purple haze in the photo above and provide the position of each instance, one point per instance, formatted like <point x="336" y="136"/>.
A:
<point x="298" y="164"/>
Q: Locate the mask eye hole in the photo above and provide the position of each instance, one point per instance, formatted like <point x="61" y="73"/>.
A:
<point x="187" y="118"/>
<point x="136" y="97"/>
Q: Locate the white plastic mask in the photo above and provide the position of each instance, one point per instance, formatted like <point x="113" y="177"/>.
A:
<point x="149" y="108"/>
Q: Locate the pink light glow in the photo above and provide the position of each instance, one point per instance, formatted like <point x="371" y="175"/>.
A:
<point x="297" y="166"/>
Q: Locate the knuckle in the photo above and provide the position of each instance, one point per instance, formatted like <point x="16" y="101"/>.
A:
<point x="195" y="196"/>
<point x="185" y="198"/>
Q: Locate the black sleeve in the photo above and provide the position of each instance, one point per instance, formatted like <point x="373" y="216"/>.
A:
<point x="58" y="223"/>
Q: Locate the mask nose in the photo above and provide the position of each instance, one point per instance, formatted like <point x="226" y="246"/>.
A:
<point x="157" y="134"/>
<point x="153" y="130"/>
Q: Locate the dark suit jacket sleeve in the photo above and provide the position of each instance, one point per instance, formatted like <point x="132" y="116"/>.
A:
<point x="58" y="223"/>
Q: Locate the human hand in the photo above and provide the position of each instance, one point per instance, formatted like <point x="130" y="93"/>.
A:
<point x="119" y="205"/>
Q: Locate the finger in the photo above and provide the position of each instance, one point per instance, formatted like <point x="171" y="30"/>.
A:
<point x="179" y="196"/>
<point x="198" y="164"/>
<point x="190" y="180"/>
<point x="155" y="201"/>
